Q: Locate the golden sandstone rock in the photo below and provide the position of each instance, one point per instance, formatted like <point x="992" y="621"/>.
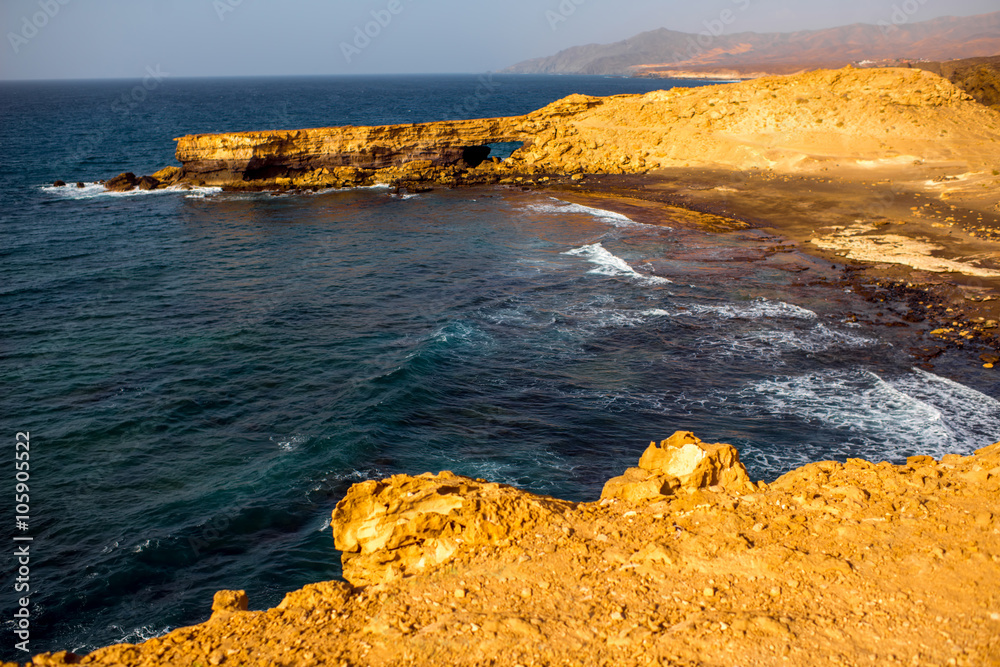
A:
<point x="404" y="524"/>
<point x="680" y="462"/>
<point x="832" y="564"/>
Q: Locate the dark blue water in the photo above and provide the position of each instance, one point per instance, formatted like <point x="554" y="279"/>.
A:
<point x="205" y="374"/>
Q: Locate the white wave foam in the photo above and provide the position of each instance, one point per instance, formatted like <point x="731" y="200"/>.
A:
<point x="914" y="413"/>
<point x="456" y="332"/>
<point x="610" y="217"/>
<point x="140" y="634"/>
<point x="198" y="193"/>
<point x="292" y="443"/>
<point x="139" y="548"/>
<point x="973" y="416"/>
<point x="609" y="264"/>
<point x="609" y="318"/>
<point x="772" y="344"/>
<point x="92" y="190"/>
<point x="758" y="309"/>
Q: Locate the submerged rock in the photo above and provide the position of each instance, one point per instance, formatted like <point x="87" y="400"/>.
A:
<point x="147" y="183"/>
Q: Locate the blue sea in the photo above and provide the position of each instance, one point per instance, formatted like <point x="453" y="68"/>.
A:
<point x="204" y="374"/>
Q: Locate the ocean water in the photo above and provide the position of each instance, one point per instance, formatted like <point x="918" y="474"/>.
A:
<point x="205" y="374"/>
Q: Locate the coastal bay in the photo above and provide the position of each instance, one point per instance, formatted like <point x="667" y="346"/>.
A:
<point x="679" y="297"/>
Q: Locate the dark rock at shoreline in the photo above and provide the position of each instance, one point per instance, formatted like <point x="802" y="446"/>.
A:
<point x="81" y="184"/>
<point x="122" y="182"/>
<point x="147" y="183"/>
<point x="59" y="184"/>
<point x="167" y="176"/>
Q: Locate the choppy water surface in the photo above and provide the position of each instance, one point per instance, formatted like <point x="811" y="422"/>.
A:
<point x="204" y="374"/>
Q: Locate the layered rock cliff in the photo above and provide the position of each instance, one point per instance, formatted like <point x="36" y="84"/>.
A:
<point x="809" y="122"/>
<point x="683" y="561"/>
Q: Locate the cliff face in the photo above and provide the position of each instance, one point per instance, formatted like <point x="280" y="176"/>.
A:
<point x="685" y="562"/>
<point x="808" y="122"/>
<point x="263" y="155"/>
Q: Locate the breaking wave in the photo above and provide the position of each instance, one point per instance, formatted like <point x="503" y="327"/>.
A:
<point x="609" y="264"/>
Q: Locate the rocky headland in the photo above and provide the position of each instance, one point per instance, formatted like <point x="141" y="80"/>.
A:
<point x="798" y="124"/>
<point x="683" y="561"/>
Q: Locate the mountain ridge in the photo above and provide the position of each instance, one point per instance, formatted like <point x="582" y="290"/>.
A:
<point x="665" y="52"/>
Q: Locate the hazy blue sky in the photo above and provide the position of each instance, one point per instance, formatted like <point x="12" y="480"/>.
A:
<point x="121" y="38"/>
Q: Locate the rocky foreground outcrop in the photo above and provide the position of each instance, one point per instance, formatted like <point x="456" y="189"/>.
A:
<point x="807" y="122"/>
<point x="683" y="561"/>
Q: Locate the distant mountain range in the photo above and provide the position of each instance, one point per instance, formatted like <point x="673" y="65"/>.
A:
<point x="669" y="53"/>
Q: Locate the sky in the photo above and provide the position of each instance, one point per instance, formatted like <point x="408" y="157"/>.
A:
<point x="96" y="39"/>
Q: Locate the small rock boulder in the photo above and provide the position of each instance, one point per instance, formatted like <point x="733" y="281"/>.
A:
<point x="680" y="462"/>
<point x="123" y="182"/>
<point x="59" y="184"/>
<point x="81" y="184"/>
<point x="325" y="595"/>
<point x="147" y="183"/>
<point x="403" y="525"/>
<point x="230" y="601"/>
<point x="167" y="175"/>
